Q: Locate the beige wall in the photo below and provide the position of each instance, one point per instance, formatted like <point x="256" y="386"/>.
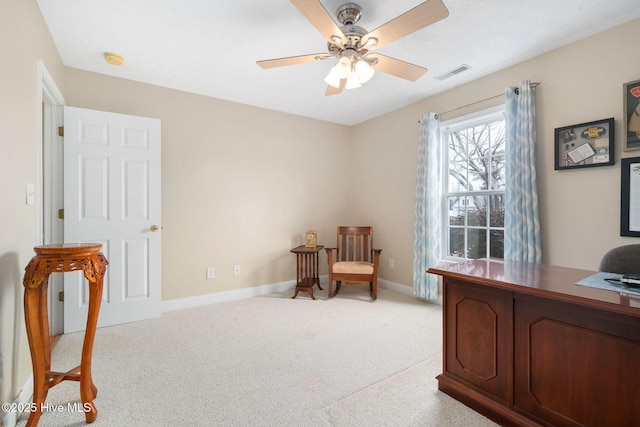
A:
<point x="24" y="40"/>
<point x="579" y="209"/>
<point x="241" y="184"/>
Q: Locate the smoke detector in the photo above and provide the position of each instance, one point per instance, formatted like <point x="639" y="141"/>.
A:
<point x="113" y="58"/>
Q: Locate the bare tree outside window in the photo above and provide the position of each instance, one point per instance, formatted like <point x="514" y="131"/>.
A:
<point x="474" y="192"/>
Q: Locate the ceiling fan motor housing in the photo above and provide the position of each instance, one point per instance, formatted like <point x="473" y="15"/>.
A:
<point x="353" y="35"/>
<point x="349" y="13"/>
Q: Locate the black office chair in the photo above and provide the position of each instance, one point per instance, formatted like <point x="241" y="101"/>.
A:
<point x="622" y="260"/>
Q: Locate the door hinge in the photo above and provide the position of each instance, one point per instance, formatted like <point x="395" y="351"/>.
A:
<point x="61" y="296"/>
<point x="60" y="130"/>
<point x="60" y="213"/>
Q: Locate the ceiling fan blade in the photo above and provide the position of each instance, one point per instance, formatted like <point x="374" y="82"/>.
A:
<point x="413" y="20"/>
<point x="335" y="90"/>
<point x="320" y="18"/>
<point x="291" y="60"/>
<point x="396" y="67"/>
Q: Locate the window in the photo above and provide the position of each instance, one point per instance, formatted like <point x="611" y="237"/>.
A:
<point x="474" y="181"/>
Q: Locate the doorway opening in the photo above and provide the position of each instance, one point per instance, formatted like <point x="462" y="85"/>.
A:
<point x="51" y="189"/>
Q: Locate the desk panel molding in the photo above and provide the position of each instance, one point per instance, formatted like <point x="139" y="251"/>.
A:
<point x="525" y="346"/>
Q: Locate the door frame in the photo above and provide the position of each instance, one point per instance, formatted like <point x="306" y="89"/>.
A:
<point x="49" y="187"/>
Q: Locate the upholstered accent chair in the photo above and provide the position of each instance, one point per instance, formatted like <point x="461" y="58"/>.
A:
<point x="354" y="259"/>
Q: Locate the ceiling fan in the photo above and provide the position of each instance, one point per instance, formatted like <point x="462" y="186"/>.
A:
<point x="352" y="45"/>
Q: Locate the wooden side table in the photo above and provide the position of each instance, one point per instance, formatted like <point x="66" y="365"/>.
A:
<point x="307" y="272"/>
<point x="59" y="259"/>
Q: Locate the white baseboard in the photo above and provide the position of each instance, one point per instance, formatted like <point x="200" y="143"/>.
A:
<point x="24" y="397"/>
<point x="395" y="287"/>
<point x="403" y="289"/>
<point x="202" y="300"/>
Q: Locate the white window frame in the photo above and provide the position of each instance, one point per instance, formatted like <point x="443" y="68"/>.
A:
<point x="487" y="115"/>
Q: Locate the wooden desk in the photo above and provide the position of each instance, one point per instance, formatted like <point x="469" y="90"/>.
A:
<point x="524" y="345"/>
<point x="307" y="269"/>
<point x="59" y="259"/>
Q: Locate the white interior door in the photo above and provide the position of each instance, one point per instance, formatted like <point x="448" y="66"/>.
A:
<point x="112" y="196"/>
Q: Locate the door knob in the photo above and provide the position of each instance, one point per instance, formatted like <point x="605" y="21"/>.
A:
<point x="154" y="228"/>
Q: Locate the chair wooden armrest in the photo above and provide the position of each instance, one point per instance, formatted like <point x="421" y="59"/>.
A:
<point x="376" y="257"/>
<point x="329" y="252"/>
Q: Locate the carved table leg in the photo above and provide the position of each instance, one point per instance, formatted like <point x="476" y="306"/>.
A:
<point x="88" y="390"/>
<point x="308" y="283"/>
<point x="37" y="326"/>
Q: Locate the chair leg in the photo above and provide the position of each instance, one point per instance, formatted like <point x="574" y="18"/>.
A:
<point x="373" y="287"/>
<point x="338" y="283"/>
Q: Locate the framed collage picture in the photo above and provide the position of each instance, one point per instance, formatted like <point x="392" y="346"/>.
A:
<point x="584" y="145"/>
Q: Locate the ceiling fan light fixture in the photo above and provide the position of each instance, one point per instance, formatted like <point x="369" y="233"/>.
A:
<point x="333" y="78"/>
<point x="343" y="67"/>
<point x="353" y="81"/>
<point x="364" y="71"/>
<point x="350" y="44"/>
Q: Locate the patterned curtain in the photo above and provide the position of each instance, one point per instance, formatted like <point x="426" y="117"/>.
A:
<point x="521" y="222"/>
<point x="426" y="240"/>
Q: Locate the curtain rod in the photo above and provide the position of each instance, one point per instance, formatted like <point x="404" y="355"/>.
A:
<point x="532" y="85"/>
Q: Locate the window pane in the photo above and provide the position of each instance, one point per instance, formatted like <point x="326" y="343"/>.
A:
<point x="457" y="210"/>
<point x="476" y="243"/>
<point x="456" y="242"/>
<point x="478" y="141"/>
<point x="477" y="211"/>
<point x="497" y="173"/>
<point x="497" y="138"/>
<point x="457" y="177"/>
<point x="478" y="174"/>
<point x="496" y="243"/>
<point x="457" y="147"/>
<point x="497" y="210"/>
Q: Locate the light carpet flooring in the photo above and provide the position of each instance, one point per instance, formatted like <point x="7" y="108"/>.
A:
<point x="269" y="361"/>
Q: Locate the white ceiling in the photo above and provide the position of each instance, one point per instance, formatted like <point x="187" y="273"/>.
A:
<point x="210" y="47"/>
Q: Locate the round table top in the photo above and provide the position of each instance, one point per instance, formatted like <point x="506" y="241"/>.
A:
<point x="67" y="248"/>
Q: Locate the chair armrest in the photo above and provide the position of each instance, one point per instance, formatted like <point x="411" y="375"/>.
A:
<point x="329" y="252"/>
<point x="376" y="257"/>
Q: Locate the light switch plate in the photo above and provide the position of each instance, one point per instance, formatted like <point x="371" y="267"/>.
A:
<point x="31" y="190"/>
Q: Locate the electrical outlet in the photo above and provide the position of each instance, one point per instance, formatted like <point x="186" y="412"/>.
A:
<point x="211" y="272"/>
<point x="236" y="270"/>
<point x="392" y="263"/>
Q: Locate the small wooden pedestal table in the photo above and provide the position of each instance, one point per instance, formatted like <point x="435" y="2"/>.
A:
<point x="59" y="259"/>
<point x="307" y="275"/>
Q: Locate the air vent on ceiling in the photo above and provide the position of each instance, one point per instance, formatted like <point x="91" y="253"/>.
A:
<point x="457" y="70"/>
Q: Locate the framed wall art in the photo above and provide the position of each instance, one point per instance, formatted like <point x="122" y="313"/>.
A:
<point x="630" y="197"/>
<point x="584" y="145"/>
<point x="631" y="125"/>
